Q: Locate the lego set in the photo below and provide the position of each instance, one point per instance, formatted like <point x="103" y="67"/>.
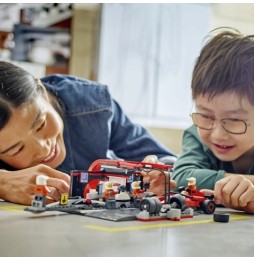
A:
<point x="114" y="190"/>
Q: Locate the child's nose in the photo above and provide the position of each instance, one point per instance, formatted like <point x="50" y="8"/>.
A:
<point x="218" y="131"/>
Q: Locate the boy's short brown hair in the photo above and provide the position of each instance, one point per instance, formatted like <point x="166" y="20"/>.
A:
<point x="225" y="64"/>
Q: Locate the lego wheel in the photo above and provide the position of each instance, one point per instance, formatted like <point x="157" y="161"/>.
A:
<point x="178" y="201"/>
<point x="208" y="206"/>
<point x="152" y="205"/>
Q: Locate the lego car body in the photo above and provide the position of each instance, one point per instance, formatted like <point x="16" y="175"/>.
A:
<point x="194" y="199"/>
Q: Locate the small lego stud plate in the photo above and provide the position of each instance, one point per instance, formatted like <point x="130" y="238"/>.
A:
<point x="221" y="217"/>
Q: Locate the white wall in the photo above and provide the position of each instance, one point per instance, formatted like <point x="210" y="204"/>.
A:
<point x="239" y="16"/>
<point x="147" y="56"/>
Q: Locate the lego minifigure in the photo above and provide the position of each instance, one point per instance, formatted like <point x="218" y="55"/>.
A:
<point x="109" y="191"/>
<point x="40" y="193"/>
<point x="41" y="185"/>
<point x="136" y="189"/>
<point x="191" y="186"/>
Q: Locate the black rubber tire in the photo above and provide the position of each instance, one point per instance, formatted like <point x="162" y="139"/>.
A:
<point x="208" y="206"/>
<point x="152" y="205"/>
<point x="178" y="201"/>
<point x="221" y="217"/>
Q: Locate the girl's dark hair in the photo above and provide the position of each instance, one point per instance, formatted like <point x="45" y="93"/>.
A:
<point x="225" y="64"/>
<point x="17" y="88"/>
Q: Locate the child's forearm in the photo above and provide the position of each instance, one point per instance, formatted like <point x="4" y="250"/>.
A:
<point x="206" y="178"/>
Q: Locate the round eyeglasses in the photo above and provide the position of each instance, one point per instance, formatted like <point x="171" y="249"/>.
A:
<point x="231" y="125"/>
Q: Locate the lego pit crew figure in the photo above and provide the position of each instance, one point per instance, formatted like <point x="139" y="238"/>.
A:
<point x="136" y="189"/>
<point x="41" y="185"/>
<point x="109" y="191"/>
<point x="40" y="193"/>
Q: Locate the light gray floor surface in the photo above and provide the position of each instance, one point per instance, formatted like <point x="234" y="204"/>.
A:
<point x="61" y="234"/>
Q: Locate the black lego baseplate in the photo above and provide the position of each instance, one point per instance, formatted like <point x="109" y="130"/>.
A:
<point x="122" y="214"/>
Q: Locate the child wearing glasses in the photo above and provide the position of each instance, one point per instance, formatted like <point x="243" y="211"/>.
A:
<point x="218" y="149"/>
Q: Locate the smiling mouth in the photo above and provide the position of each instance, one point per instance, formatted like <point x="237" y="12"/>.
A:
<point x="52" y="156"/>
<point x="223" y="147"/>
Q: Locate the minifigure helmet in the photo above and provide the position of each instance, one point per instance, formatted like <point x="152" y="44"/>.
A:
<point x="192" y="181"/>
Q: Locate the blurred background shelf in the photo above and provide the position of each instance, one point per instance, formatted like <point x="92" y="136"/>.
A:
<point x="58" y="36"/>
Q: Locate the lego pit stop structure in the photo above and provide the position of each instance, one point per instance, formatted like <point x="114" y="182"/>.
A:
<point x="116" y="186"/>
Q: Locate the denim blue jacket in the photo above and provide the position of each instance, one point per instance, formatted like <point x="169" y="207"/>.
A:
<point x="95" y="125"/>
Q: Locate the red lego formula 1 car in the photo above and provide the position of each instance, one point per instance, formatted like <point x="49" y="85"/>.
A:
<point x="184" y="199"/>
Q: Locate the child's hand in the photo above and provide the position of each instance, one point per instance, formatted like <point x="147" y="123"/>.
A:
<point x="234" y="191"/>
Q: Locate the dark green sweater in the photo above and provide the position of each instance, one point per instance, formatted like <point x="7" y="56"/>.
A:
<point x="196" y="160"/>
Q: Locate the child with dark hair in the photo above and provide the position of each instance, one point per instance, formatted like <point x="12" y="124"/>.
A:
<point x="218" y="150"/>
